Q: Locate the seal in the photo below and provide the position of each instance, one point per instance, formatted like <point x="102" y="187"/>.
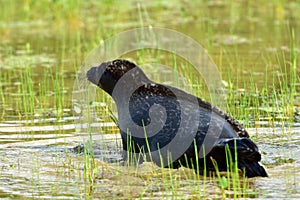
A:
<point x="151" y="116"/>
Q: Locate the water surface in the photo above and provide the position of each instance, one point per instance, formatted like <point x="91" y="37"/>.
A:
<point x="44" y="43"/>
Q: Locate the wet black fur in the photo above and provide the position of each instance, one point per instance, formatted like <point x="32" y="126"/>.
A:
<point x="233" y="135"/>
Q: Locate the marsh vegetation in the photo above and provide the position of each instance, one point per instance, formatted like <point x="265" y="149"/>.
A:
<point x="255" y="45"/>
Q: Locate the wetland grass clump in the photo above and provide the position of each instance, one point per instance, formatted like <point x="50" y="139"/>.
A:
<point x="274" y="104"/>
<point x="27" y="93"/>
<point x="32" y="98"/>
<point x="89" y="173"/>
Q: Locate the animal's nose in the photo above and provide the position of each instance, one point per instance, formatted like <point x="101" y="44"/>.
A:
<point x="92" y="75"/>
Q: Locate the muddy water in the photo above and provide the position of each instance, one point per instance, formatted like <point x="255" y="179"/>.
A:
<point x="45" y="47"/>
<point x="46" y="166"/>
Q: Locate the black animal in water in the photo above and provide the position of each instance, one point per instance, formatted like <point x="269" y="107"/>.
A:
<point x="171" y="127"/>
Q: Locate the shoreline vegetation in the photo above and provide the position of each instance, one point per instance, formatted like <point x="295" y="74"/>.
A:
<point x="255" y="46"/>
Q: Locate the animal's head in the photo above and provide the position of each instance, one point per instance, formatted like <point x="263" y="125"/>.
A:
<point x="107" y="74"/>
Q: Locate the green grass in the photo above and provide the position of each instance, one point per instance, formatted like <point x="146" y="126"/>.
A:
<point x="68" y="30"/>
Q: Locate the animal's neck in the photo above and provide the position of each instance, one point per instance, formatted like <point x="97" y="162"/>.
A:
<point x="128" y="84"/>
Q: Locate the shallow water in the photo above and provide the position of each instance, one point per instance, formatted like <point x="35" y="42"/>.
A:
<point x="43" y="45"/>
<point x="47" y="166"/>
